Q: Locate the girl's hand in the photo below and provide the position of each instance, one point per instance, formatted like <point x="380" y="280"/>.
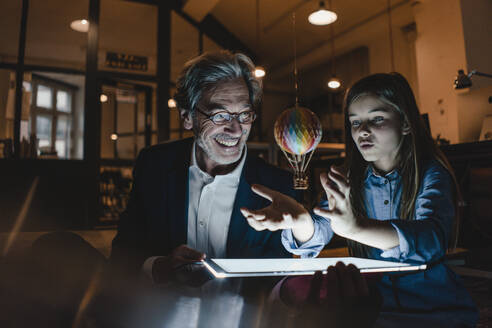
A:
<point x="337" y="188"/>
<point x="283" y="213"/>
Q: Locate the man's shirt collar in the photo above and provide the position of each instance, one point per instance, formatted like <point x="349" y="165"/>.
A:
<point x="232" y="177"/>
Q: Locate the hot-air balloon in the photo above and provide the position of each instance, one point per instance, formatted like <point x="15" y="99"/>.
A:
<point x="297" y="133"/>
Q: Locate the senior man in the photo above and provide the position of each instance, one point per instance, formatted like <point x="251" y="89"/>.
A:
<point x="187" y="194"/>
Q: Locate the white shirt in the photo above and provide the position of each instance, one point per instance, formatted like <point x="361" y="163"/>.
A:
<point x="210" y="205"/>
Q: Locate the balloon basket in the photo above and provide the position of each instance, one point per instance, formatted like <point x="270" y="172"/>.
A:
<point x="301" y="182"/>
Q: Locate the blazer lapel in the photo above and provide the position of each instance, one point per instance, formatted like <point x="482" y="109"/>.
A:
<point x="177" y="197"/>
<point x="240" y="233"/>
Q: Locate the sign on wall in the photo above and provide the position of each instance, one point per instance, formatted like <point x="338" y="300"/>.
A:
<point x="124" y="61"/>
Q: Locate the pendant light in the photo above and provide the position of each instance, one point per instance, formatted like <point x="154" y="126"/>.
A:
<point x="259" y="70"/>
<point x="390" y="32"/>
<point x="80" y="25"/>
<point x="322" y="16"/>
<point x="334" y="82"/>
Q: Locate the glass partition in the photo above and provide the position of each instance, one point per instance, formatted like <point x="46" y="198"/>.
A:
<point x="53" y="38"/>
<point x="184" y="44"/>
<point x="7" y="109"/>
<point x="127" y="118"/>
<point x="10" y="18"/>
<point x="128" y="37"/>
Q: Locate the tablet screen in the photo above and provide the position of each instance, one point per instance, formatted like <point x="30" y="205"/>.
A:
<point x="263" y="267"/>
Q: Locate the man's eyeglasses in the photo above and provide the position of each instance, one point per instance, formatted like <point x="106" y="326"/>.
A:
<point x="224" y="117"/>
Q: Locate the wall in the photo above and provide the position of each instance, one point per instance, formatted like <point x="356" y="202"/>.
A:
<point x="372" y="36"/>
<point x="440" y="53"/>
<point x="274" y="102"/>
<point x="477" y="28"/>
<point x="473" y="103"/>
<point x="403" y="49"/>
<point x="457" y="41"/>
<point x="473" y="106"/>
<point x="375" y="36"/>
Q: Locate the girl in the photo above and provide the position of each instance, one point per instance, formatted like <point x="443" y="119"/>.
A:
<point x="396" y="202"/>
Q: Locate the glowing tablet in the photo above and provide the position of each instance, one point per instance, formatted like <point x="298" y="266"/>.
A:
<point x="225" y="268"/>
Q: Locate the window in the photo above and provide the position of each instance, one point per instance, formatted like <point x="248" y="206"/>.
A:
<point x="51" y="116"/>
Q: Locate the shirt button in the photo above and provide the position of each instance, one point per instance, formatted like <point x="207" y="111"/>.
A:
<point x="386" y="202"/>
<point x="385" y="181"/>
<point x="201" y="223"/>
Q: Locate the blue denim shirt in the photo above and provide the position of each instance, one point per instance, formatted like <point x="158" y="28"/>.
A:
<point x="422" y="240"/>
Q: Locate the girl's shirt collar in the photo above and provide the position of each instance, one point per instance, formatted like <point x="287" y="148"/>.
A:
<point x="372" y="173"/>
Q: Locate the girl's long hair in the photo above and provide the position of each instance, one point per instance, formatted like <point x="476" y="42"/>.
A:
<point x="417" y="148"/>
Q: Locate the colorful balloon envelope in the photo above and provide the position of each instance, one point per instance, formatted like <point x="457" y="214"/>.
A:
<point x="298" y="132"/>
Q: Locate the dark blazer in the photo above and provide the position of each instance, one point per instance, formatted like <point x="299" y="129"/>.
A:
<point x="155" y="221"/>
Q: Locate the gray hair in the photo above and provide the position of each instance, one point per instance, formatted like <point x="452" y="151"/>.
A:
<point x="206" y="70"/>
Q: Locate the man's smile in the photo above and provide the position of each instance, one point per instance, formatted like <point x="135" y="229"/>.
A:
<point x="228" y="142"/>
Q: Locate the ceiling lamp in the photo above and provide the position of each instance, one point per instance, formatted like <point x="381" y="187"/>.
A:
<point x="103" y="98"/>
<point x="334" y="83"/>
<point x="114" y="136"/>
<point x="390" y="34"/>
<point x="322" y="16"/>
<point x="259" y="71"/>
<point x="80" y="25"/>
<point x="171" y="103"/>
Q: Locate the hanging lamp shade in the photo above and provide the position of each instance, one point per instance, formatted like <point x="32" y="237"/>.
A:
<point x="260" y="71"/>
<point x="80" y="25"/>
<point x="322" y="16"/>
<point x="171" y="103"/>
<point x="334" y="83"/>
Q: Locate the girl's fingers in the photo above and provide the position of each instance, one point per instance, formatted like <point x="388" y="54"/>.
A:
<point x="333" y="296"/>
<point x="359" y="281"/>
<point x="346" y="285"/>
<point x="315" y="288"/>
<point x="331" y="190"/>
<point x="338" y="170"/>
<point x="331" y="202"/>
<point x="339" y="180"/>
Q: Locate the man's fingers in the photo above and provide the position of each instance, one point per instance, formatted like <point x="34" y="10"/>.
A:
<point x="188" y="253"/>
<point x="253" y="214"/>
<point x="263" y="191"/>
<point x="260" y="225"/>
<point x="287" y="217"/>
<point x="321" y="211"/>
<point x="326" y="213"/>
<point x="257" y="225"/>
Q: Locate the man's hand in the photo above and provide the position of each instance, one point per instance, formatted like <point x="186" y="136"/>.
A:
<point x="283" y="213"/>
<point x="337" y="188"/>
<point x="179" y="266"/>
